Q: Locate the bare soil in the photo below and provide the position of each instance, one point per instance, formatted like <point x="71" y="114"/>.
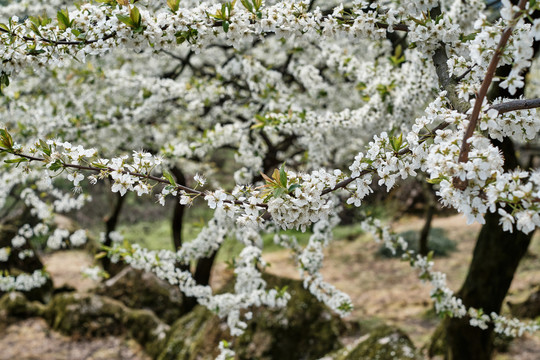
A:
<point x="389" y="290"/>
<point x="65" y="268"/>
<point x="32" y="339"/>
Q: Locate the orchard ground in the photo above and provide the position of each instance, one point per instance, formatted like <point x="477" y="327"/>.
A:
<point x="383" y="290"/>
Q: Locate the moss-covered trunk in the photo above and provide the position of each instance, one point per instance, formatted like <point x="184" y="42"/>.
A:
<point x="495" y="260"/>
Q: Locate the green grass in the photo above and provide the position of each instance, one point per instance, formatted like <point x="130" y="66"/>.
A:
<point x="438" y="242"/>
<point x="157" y="235"/>
<point x="152" y="235"/>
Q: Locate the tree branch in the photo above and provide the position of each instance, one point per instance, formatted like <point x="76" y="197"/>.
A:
<point x="516" y="105"/>
<point x="464" y="152"/>
<point x="141" y="176"/>
<point x="214" y="24"/>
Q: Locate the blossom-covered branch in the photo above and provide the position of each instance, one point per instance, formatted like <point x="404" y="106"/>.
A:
<point x="488" y="78"/>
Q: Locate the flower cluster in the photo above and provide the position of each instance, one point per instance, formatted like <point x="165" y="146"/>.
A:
<point x="249" y="288"/>
<point x="445" y="301"/>
<point x="23" y="282"/>
<point x="304" y="205"/>
<point x="95" y="273"/>
<point x="123" y="26"/>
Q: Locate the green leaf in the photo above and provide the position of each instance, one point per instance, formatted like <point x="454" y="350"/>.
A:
<point x="57" y="165"/>
<point x="139" y="30"/>
<point x="6" y="139"/>
<point x="283" y="176"/>
<point x="281" y="291"/>
<point x="224" y="11"/>
<point x="100" y="255"/>
<point x="396" y="142"/>
<point x="135" y="16"/>
<point x="187" y="35"/>
<point x="293" y="187"/>
<point x="398" y="51"/>
<point x="260" y="121"/>
<point x="44" y="147"/>
<point x="247" y="4"/>
<point x="174" y="5"/>
<point x="167" y="175"/>
<point x="469" y="37"/>
<point x="278" y="192"/>
<point x="35" y="29"/>
<point x="99" y="165"/>
<point x="63" y="19"/>
<point x="126" y="20"/>
<point x="35" y="52"/>
<point x="225" y="25"/>
<point x="16" y="161"/>
<point x="4" y="79"/>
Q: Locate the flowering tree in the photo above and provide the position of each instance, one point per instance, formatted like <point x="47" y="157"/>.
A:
<point x="322" y="98"/>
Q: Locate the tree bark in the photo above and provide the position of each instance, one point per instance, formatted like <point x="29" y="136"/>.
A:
<point x="423" y="247"/>
<point x="202" y="274"/>
<point x="178" y="214"/>
<point x="496" y="257"/>
<point x="111" y="221"/>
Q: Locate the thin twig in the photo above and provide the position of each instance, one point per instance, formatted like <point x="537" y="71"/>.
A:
<point x="465" y="73"/>
<point x="60" y="42"/>
<point x="141" y="176"/>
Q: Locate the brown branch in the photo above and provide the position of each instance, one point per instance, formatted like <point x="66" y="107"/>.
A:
<point x="399" y="27"/>
<point x="492" y="67"/>
<point x="464" y="152"/>
<point x="516" y="105"/>
<point x="344" y="183"/>
<point x="98" y="169"/>
<point x="447" y="82"/>
<point x="380" y="25"/>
